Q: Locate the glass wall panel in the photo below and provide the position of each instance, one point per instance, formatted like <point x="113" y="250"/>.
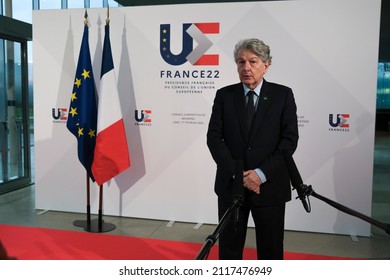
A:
<point x="383" y="86"/>
<point x="112" y="3"/>
<point x="3" y="118"/>
<point x="50" y="4"/>
<point x="96" y="3"/>
<point x="22" y="10"/>
<point x="72" y="4"/>
<point x="13" y="147"/>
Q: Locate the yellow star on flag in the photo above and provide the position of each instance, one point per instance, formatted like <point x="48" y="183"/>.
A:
<point x="73" y="97"/>
<point x="73" y="111"/>
<point x="85" y="74"/>
<point x="77" y="82"/>
<point x="91" y="133"/>
<point x="80" y="131"/>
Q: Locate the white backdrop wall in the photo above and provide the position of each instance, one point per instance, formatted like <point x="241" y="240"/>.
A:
<point x="325" y="50"/>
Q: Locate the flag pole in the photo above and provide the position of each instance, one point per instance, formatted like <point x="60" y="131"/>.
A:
<point x="87" y="223"/>
<point x="100" y="208"/>
<point x="101" y="225"/>
<point x="88" y="202"/>
<point x="108" y="14"/>
<point x="82" y="223"/>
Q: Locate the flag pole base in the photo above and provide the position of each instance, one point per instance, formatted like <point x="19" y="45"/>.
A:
<point x="84" y="223"/>
<point x="97" y="226"/>
<point x="80" y="223"/>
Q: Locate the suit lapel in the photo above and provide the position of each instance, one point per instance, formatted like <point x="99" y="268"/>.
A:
<point x="262" y="107"/>
<point x="239" y="103"/>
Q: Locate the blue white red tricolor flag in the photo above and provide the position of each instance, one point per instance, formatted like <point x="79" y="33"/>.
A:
<point x="111" y="155"/>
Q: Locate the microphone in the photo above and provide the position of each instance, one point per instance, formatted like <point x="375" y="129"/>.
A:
<point x="238" y="188"/>
<point x="296" y="180"/>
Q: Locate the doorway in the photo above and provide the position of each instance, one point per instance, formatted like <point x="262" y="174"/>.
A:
<point x="15" y="112"/>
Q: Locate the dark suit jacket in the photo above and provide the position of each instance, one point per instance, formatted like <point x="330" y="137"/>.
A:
<point x="274" y="131"/>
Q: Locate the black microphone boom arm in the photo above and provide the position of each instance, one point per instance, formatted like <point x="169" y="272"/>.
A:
<point x="385" y="227"/>
<point x="304" y="192"/>
<point x="238" y="199"/>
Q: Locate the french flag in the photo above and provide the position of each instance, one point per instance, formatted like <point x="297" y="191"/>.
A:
<point x="111" y="155"/>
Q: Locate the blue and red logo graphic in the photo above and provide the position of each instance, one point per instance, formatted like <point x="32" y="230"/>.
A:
<point x="339" y="120"/>
<point x="191" y="32"/>
<point x="59" y="114"/>
<point x="143" y="116"/>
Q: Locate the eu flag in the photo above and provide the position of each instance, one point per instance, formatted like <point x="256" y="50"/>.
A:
<point x="82" y="116"/>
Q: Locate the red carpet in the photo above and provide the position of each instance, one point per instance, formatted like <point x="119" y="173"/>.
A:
<point x="30" y="243"/>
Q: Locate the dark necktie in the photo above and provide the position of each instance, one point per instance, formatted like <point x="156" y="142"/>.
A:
<point x="250" y="109"/>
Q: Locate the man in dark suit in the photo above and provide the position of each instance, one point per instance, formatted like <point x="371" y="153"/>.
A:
<point x="259" y="143"/>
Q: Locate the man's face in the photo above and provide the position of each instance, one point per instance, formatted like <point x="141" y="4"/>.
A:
<point x="250" y="68"/>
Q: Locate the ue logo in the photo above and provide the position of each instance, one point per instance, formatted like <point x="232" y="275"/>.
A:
<point x="143" y="116"/>
<point x="339" y="121"/>
<point x="191" y="32"/>
<point x="60" y="114"/>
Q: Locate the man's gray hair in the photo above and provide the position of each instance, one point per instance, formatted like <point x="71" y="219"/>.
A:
<point x="255" y="45"/>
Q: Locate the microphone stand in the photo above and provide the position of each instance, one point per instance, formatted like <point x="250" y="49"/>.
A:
<point x="212" y="239"/>
<point x="238" y="200"/>
<point x="305" y="191"/>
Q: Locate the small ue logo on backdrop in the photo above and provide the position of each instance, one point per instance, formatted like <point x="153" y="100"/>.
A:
<point x="143" y="117"/>
<point x="191" y="32"/>
<point x="339" y="122"/>
<point x="59" y="114"/>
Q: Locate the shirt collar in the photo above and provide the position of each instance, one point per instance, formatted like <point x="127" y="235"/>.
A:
<point x="256" y="90"/>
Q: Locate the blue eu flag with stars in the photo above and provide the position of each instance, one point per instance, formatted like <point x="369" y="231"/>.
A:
<point x="82" y="114"/>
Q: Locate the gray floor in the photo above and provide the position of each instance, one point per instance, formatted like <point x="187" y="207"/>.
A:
<point x="18" y="208"/>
